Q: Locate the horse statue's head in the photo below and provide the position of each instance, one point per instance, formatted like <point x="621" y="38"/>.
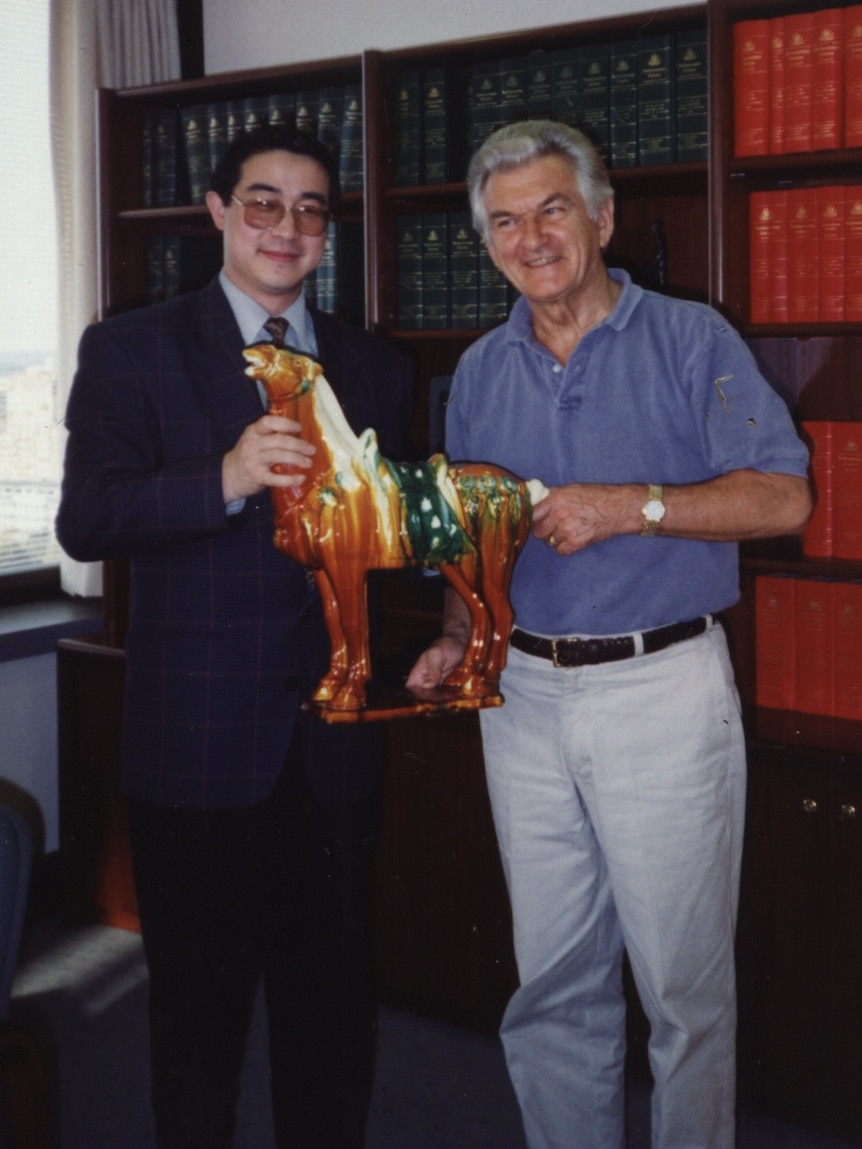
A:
<point x="285" y="374"/>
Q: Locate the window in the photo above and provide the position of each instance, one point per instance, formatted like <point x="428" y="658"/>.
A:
<point x="29" y="463"/>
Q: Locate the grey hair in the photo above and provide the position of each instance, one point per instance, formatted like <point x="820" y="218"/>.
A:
<point x="517" y="144"/>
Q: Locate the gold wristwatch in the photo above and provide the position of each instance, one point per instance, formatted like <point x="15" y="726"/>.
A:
<point x="653" y="510"/>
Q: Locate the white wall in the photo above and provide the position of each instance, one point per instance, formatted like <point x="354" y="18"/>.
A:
<point x="262" y="33"/>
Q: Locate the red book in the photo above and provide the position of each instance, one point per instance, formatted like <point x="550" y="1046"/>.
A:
<point x="775" y="641"/>
<point x="751" y="87"/>
<point x="798" y="79"/>
<point x="827" y="79"/>
<point x="853" y="254"/>
<point x="847" y="490"/>
<point x="776" y="86"/>
<point x="815" y="644"/>
<point x="830" y="218"/>
<point x="778" y="274"/>
<point x="817" y="537"/>
<point x="848" y="650"/>
<point x="802" y="256"/>
<point x="853" y="76"/>
<point x="759" y="256"/>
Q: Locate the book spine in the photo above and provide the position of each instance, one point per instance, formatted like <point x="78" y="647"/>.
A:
<point x="803" y="256"/>
<point x="565" y="85"/>
<point x="173" y="268"/>
<point x="827" y="80"/>
<point x="407" y="128"/>
<point x="760" y="256"/>
<point x="216" y="131"/>
<point x="656" y="100"/>
<point x="538" y="84"/>
<point x="751" y="55"/>
<point x="307" y="110"/>
<point x="595" y="95"/>
<point x="853" y="255"/>
<point x="155" y="253"/>
<point x="624" y="103"/>
<point x="815" y="646"/>
<point x="513" y="89"/>
<point x="853" y="76"/>
<point x="798" y="80"/>
<point x="817" y="537"/>
<point x="148" y="134"/>
<point x="434" y="241"/>
<point x="408" y="254"/>
<point x="776" y="142"/>
<point x="779" y="240"/>
<point x="847" y="490"/>
<point x="165" y="158"/>
<point x="351" y="169"/>
<point x="330" y="114"/>
<point x="775" y="641"/>
<point x="196" y="141"/>
<point x="327" y="273"/>
<point x="830" y="215"/>
<point x="255" y="112"/>
<point x="484" y="108"/>
<point x="234" y="120"/>
<point x="435" y="127"/>
<point x="848" y="650"/>
<point x="692" y="96"/>
<point x="281" y="109"/>
<point x="493" y="292"/>
<point x="463" y="271"/>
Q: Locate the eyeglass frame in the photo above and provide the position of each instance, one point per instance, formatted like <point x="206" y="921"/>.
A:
<point x="301" y="213"/>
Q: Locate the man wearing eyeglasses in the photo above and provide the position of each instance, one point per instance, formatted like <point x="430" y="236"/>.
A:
<point x="252" y="824"/>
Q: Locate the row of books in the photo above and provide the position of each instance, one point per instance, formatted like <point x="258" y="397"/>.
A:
<point x="445" y="277"/>
<point x="805" y="255"/>
<point x="835" y="528"/>
<point x="808" y="642"/>
<point x="180" y="263"/>
<point x="182" y="145"/>
<point x="642" y="101"/>
<point x="798" y="82"/>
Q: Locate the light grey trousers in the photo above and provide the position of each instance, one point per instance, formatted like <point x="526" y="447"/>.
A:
<point x="618" y="794"/>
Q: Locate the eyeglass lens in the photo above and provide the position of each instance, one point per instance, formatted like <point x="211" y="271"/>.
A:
<point x="264" y="213"/>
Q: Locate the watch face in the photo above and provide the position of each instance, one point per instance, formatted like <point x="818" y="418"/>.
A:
<point x="654" y="511"/>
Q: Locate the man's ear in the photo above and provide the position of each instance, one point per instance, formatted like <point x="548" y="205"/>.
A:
<point x="217" y="208"/>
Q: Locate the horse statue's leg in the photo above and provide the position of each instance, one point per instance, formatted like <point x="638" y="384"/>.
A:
<point x="331" y="682"/>
<point x="346" y="607"/>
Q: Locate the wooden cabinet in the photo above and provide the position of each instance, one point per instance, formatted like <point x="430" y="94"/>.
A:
<point x="442" y="914"/>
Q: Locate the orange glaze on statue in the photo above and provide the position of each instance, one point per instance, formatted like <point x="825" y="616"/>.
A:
<point x="357" y="512"/>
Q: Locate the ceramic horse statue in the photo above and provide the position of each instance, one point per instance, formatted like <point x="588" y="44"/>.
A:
<point x="357" y="511"/>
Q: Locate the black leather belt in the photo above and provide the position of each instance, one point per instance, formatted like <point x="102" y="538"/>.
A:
<point x="567" y="652"/>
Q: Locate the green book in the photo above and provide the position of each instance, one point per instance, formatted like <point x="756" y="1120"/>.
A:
<point x="234" y="120"/>
<point x="148" y="132"/>
<point x="493" y="292"/>
<point x="565" y="85"/>
<point x="692" y="96"/>
<point x="165" y="184"/>
<point x="408" y="267"/>
<point x="538" y="86"/>
<point x="655" y="100"/>
<point x="307" y="107"/>
<point x="216" y="131"/>
<point x="281" y="109"/>
<point x="351" y="171"/>
<point x="330" y="110"/>
<point x="171" y="280"/>
<point x="407" y="128"/>
<point x="255" y="113"/>
<point x="463" y="271"/>
<point x="595" y="95"/>
<point x="624" y="104"/>
<point x="513" y="89"/>
<point x="484" y="109"/>
<point x="327" y="273"/>
<point x="434" y="246"/>
<point x="196" y="141"/>
<point x="435" y="127"/>
<point x="155" y="253"/>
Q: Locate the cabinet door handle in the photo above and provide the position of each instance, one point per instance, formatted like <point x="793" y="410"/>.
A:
<point x="809" y="805"/>
<point x="847" y="812"/>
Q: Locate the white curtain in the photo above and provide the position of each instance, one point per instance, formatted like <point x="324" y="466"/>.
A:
<point x="107" y="44"/>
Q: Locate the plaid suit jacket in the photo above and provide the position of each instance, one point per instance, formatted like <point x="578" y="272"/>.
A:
<point x="222" y="639"/>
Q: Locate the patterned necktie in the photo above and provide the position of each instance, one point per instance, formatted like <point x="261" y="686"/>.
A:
<point x="276" y="326"/>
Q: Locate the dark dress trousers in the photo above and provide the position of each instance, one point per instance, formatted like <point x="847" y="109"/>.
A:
<point x="252" y="824"/>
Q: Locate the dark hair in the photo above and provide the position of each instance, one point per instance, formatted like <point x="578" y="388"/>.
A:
<point x="228" y="171"/>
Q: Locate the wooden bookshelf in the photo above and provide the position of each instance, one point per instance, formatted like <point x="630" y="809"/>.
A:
<point x="442" y="913"/>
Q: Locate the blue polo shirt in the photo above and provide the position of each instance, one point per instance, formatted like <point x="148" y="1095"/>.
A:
<point x="662" y="391"/>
